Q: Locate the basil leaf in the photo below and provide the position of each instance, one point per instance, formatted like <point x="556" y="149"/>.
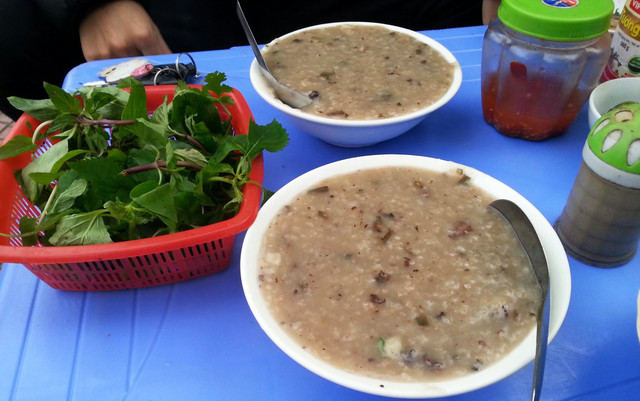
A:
<point x="63" y="101"/>
<point x="42" y="110"/>
<point x="81" y="229"/>
<point x="17" y="145"/>
<point x="158" y="200"/>
<point x="42" y="164"/>
<point x="65" y="199"/>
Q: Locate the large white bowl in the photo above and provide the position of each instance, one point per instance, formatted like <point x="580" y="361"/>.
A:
<point x="353" y="133"/>
<point x="560" y="281"/>
<point x="611" y="93"/>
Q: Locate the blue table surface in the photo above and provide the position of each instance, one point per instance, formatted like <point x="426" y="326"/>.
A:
<point x="197" y="340"/>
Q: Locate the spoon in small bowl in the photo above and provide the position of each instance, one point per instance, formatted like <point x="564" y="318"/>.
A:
<point x="286" y="94"/>
<point x="531" y="243"/>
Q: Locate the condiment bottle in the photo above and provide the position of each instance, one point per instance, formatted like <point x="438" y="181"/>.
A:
<point x="540" y="61"/>
<point x="600" y="223"/>
<point x="625" y="44"/>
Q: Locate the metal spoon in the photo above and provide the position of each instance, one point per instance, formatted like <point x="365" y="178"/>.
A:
<point x="289" y="96"/>
<point x="531" y="243"/>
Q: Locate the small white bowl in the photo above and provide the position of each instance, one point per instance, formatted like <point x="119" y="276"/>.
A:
<point x="521" y="355"/>
<point x="610" y="94"/>
<point x="354" y="133"/>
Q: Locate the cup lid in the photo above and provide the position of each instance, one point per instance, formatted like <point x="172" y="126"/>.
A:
<point x="559" y="20"/>
<point x="615" y="137"/>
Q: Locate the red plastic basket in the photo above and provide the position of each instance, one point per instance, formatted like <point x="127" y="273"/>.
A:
<point x="131" y="264"/>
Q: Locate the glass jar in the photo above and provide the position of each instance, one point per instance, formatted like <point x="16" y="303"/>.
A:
<point x="540" y="61"/>
<point x="625" y="46"/>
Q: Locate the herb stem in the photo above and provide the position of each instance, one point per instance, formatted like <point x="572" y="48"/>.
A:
<point x="157" y="165"/>
<point x="105" y="122"/>
<point x="192" y="140"/>
<point x="39" y="128"/>
<point x="47" y="206"/>
<point x="222" y="179"/>
<point x="195" y="142"/>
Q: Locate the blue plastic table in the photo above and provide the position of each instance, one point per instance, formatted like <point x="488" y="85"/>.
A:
<point x="197" y="340"/>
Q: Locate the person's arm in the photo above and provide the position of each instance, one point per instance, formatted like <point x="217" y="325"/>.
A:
<point x="120" y="29"/>
<point x="489" y="10"/>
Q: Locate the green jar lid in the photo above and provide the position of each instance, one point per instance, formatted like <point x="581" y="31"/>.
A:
<point x="558" y="20"/>
<point x="615" y="137"/>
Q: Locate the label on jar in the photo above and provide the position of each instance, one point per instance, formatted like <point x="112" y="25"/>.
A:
<point x="625" y="44"/>
<point x="561" y="3"/>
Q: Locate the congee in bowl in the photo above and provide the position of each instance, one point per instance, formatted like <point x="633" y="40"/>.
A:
<point x="360" y="72"/>
<point x="371" y="82"/>
<point x="390" y="275"/>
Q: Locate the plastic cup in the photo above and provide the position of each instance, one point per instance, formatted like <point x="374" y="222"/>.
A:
<point x="600" y="224"/>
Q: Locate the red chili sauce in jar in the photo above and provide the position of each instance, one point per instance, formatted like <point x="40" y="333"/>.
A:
<point x="540" y="61"/>
<point x="530" y="105"/>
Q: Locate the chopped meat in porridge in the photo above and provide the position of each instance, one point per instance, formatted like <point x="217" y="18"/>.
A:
<point x="360" y="72"/>
<point x="398" y="273"/>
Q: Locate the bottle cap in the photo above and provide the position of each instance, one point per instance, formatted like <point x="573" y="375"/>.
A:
<point x="613" y="145"/>
<point x="558" y="20"/>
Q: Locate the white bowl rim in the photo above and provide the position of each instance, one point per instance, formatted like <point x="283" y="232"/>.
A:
<point x="606" y="90"/>
<point x="523" y="354"/>
<point x="261" y="86"/>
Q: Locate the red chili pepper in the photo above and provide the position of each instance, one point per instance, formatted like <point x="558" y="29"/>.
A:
<point x="518" y="70"/>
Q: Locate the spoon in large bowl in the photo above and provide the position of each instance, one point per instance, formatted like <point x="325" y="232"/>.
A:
<point x="286" y="94"/>
<point x="531" y="243"/>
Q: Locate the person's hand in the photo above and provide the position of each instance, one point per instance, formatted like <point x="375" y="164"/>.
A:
<point x="120" y="29"/>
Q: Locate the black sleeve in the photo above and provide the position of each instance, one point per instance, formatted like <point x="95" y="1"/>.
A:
<point x="66" y="14"/>
<point x="215" y="25"/>
<point x="39" y="46"/>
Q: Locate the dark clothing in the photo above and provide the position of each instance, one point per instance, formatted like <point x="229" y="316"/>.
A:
<point x="40" y="40"/>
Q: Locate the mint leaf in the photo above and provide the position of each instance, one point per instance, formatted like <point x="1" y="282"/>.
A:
<point x="106" y="182"/>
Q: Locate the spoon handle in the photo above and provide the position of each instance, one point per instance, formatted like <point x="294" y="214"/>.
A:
<point x="251" y="38"/>
<point x="528" y="237"/>
<point x="287" y="95"/>
<point x="542" y="334"/>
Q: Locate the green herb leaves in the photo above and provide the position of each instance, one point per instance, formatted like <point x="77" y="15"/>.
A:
<point x="113" y="172"/>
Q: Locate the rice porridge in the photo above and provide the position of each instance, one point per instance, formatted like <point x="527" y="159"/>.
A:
<point x="398" y="273"/>
<point x="360" y="72"/>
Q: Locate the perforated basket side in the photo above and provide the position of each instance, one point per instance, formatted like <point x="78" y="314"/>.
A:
<point x="21" y="207"/>
<point x="159" y="268"/>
